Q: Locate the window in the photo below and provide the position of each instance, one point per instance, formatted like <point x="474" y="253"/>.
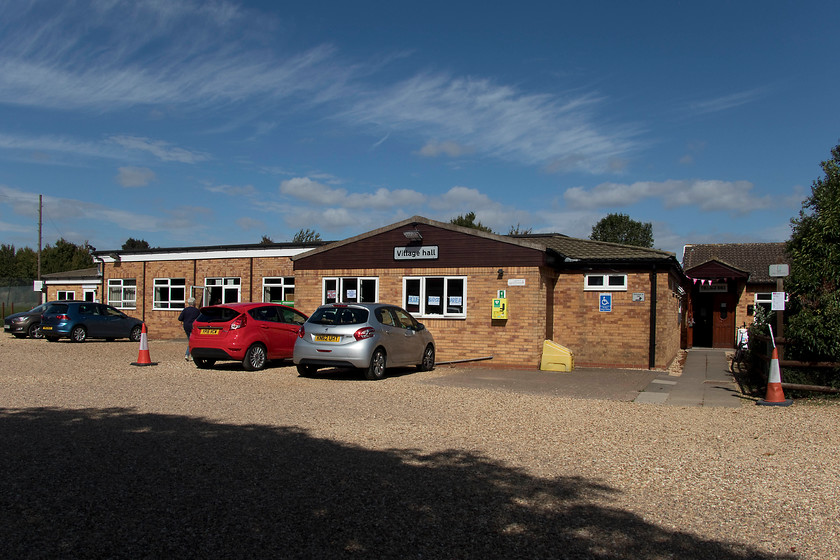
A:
<point x="170" y="293"/>
<point x="62" y="295"/>
<point x="351" y="290"/>
<point x="279" y="290"/>
<point x="606" y="282"/>
<point x="122" y="293"/>
<point x="764" y="300"/>
<point x="435" y="296"/>
<point x="221" y="290"/>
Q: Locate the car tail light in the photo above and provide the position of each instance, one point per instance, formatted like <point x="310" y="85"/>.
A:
<point x="63" y="317"/>
<point x="366" y="332"/>
<point x="301" y="334"/>
<point x="239" y="322"/>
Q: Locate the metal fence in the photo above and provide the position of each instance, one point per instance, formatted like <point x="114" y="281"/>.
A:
<point x="16" y="294"/>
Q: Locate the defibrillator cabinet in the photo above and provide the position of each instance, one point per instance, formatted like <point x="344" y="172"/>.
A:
<point x="500" y="308"/>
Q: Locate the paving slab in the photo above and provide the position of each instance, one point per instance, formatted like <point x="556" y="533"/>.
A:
<point x="705" y="381"/>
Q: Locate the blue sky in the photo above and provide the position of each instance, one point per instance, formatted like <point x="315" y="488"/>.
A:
<point x="203" y="123"/>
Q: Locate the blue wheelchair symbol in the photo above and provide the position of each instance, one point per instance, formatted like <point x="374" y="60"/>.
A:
<point x="605" y="303"/>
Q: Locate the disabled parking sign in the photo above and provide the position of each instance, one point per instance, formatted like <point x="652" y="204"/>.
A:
<point x="605" y="303"/>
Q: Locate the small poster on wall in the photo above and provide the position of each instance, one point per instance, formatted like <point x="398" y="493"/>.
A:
<point x="330" y="294"/>
<point x="455" y="300"/>
<point x="413" y="300"/>
<point x="351" y="294"/>
<point x="434" y="300"/>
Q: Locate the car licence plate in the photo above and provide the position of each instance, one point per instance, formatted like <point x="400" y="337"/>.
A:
<point x="327" y="338"/>
<point x="46" y="328"/>
<point x="209" y="331"/>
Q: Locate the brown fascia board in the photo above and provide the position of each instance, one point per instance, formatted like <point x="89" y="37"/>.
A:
<point x="425" y="221"/>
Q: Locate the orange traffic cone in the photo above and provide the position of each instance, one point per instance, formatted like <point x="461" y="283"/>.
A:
<point x="143" y="359"/>
<point x="775" y="395"/>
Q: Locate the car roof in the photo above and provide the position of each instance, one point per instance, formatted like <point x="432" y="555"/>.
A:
<point x="242" y="306"/>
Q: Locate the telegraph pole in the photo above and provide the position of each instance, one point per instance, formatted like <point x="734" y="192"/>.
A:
<point x="40" y="222"/>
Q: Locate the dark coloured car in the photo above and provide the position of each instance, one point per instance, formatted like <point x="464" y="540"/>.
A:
<point x="80" y="320"/>
<point x="251" y="333"/>
<point x="25" y="323"/>
<point x="367" y="336"/>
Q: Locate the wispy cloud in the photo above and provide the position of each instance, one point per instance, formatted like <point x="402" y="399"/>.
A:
<point x="496" y="120"/>
<point x="160" y="149"/>
<point x="233" y="190"/>
<point x="135" y="176"/>
<point x="725" y="102"/>
<point x="449" y="148"/>
<point x="735" y="197"/>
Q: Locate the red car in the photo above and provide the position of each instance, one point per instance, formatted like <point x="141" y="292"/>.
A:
<point x="252" y="333"/>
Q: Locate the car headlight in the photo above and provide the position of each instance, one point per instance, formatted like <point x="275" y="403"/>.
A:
<point x="18" y="319"/>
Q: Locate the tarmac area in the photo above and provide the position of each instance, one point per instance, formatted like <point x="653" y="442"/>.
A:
<point x="704" y="380"/>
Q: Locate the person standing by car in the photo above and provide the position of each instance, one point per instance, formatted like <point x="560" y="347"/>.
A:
<point x="188" y="317"/>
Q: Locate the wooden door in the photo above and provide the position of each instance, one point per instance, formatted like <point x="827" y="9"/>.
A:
<point x="723" y="321"/>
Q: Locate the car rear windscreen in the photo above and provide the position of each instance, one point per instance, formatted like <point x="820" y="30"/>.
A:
<point x="216" y="315"/>
<point x="339" y="316"/>
<point x="56" y="308"/>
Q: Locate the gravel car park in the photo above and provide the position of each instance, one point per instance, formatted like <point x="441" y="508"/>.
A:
<point x="103" y="459"/>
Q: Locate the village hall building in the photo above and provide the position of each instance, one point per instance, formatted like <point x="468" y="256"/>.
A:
<point x="480" y="294"/>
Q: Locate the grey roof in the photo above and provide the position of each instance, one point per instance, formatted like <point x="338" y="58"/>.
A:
<point x="568" y="247"/>
<point x="80" y="274"/>
<point x="754" y="258"/>
<point x="587" y="249"/>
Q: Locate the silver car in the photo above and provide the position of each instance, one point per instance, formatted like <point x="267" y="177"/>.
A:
<point x="368" y="336"/>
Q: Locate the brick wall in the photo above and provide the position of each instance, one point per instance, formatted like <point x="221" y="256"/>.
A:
<point x="621" y="337"/>
<point x="163" y="323"/>
<point x="515" y="342"/>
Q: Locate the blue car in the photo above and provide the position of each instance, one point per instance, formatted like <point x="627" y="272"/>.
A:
<point x="80" y="320"/>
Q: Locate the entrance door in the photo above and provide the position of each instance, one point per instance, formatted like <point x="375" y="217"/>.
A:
<point x="723" y="321"/>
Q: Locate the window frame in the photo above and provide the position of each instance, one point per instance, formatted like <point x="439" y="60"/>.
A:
<point x="171" y="304"/>
<point x="284" y="285"/>
<point x="61" y="295"/>
<point x="227" y="284"/>
<point x="340" y="286"/>
<point x="423" y="306"/>
<point x="123" y="302"/>
<point x="605" y="286"/>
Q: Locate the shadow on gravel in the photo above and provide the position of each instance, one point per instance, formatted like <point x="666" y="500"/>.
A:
<point x="116" y="484"/>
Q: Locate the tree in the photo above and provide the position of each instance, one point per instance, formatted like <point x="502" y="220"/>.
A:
<point x="64" y="256"/>
<point x="519" y="230"/>
<point x="266" y="240"/>
<point x="814" y="282"/>
<point x="132" y="244"/>
<point x="306" y="236"/>
<point x="26" y="263"/>
<point x="619" y="228"/>
<point x="468" y="220"/>
<point x="7" y="261"/>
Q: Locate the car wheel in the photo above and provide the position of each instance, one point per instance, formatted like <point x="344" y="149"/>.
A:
<point x="136" y="333"/>
<point x="203" y="363"/>
<point x="255" y="358"/>
<point x="306" y="371"/>
<point x="34" y="331"/>
<point x="376" y="369"/>
<point x="51" y="338"/>
<point x="428" y="363"/>
<point x="78" y="334"/>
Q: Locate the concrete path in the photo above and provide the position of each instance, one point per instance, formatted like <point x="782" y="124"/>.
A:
<point x="705" y="381"/>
